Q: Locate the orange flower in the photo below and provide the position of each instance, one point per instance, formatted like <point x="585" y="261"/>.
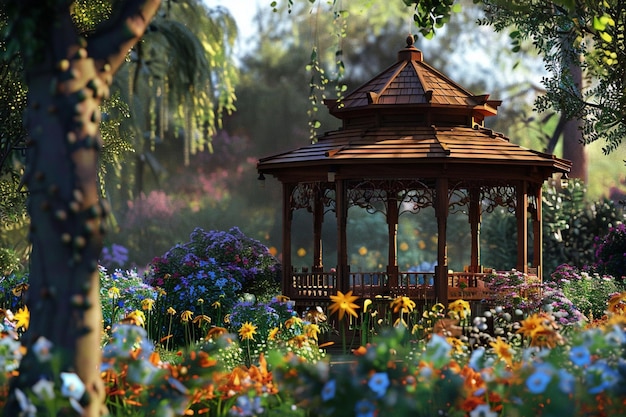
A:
<point x="343" y="303"/>
<point x="617" y="304"/>
<point x="216" y="332"/>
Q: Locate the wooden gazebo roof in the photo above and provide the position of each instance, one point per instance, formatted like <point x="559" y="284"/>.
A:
<point x="412" y="114"/>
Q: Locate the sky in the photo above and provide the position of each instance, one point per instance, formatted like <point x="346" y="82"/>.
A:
<point x="243" y="11"/>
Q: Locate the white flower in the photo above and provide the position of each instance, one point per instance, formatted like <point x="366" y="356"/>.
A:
<point x="72" y="386"/>
<point x="42" y="349"/>
<point x="28" y="409"/>
<point x="483" y="410"/>
<point x="44" y="389"/>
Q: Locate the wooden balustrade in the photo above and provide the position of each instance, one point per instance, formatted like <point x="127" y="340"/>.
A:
<point x="416" y="285"/>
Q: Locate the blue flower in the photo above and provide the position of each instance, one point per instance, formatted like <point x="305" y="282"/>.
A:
<point x="364" y="408"/>
<point x="329" y="390"/>
<point x="538" y="381"/>
<point x="477" y="358"/>
<point x="602" y="374"/>
<point x="580" y="356"/>
<point x="379" y="382"/>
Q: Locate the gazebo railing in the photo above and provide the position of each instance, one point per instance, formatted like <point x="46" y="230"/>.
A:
<point x="416" y="285"/>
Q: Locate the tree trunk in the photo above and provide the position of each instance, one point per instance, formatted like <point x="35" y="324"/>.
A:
<point x="63" y="118"/>
<point x="573" y="146"/>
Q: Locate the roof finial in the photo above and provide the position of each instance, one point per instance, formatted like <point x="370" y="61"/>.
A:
<point x="410" y="41"/>
<point x="410" y="52"/>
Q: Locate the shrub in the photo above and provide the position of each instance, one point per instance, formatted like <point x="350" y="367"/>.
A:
<point x="610" y="252"/>
<point x="588" y="291"/>
<point x="212" y="269"/>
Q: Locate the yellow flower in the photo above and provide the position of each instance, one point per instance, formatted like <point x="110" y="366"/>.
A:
<point x="22" y="318"/>
<point x="282" y="298"/>
<point x="456" y="343"/>
<point x="531" y="325"/>
<point x="312" y="330"/>
<point x="147" y="304"/>
<point x="293" y="321"/>
<point x="247" y="331"/>
<point x="617" y="304"/>
<point x="19" y="289"/>
<point x="216" y="304"/>
<point x="201" y="318"/>
<point x="503" y="350"/>
<point x="200" y="301"/>
<point x="343" y="303"/>
<point x="403" y="304"/>
<point x="186" y="315"/>
<point x="366" y="304"/>
<point x="459" y="309"/>
<point x="272" y="334"/>
<point x="114" y="292"/>
<point x="171" y="311"/>
<point x="136" y="317"/>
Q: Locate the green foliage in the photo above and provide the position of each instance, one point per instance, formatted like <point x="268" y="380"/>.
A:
<point x="9" y="261"/>
<point x="431" y="15"/>
<point x="563" y="32"/>
<point x="571" y="222"/>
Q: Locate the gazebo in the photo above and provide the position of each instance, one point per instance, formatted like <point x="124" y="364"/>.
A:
<point x="409" y="136"/>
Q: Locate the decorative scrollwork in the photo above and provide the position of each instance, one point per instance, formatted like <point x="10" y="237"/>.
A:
<point x="305" y="194"/>
<point x="375" y="195"/>
<point x="499" y="196"/>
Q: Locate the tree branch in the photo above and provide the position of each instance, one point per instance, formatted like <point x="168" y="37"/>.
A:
<point x="112" y="41"/>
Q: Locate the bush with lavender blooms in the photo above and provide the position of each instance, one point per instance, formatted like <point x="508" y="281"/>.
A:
<point x="611" y="252"/>
<point x="205" y="276"/>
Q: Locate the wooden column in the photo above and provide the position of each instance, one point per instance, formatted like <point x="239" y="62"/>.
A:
<point x="318" y="219"/>
<point x="521" y="212"/>
<point x="392" y="256"/>
<point x="287" y="285"/>
<point x="538" y="233"/>
<point x="474" y="219"/>
<point x="341" y="205"/>
<point x="441" y="270"/>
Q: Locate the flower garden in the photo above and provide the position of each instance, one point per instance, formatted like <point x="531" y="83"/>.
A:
<point x="206" y="332"/>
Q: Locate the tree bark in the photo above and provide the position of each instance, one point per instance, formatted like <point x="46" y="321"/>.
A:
<point x="65" y="90"/>
<point x="573" y="146"/>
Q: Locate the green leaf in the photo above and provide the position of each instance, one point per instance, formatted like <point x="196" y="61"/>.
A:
<point x="597" y="24"/>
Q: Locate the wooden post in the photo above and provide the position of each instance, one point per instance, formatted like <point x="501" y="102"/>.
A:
<point x="287" y="285"/>
<point x="441" y="270"/>
<point x="474" y="219"/>
<point x="318" y="219"/>
<point x="521" y="211"/>
<point x="392" y="256"/>
<point x="538" y="233"/>
<point x="341" y="205"/>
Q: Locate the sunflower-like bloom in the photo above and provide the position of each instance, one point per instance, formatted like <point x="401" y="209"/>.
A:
<point x="343" y="303"/>
<point x="136" y="317"/>
<point x="114" y="292"/>
<point x="312" y="330"/>
<point x="293" y="321"/>
<point x="503" y="350"/>
<point x="460" y="309"/>
<point x="171" y="311"/>
<point x="147" y="304"/>
<point x="186" y="315"/>
<point x="22" y="318"/>
<point x="247" y="331"/>
<point x="199" y="319"/>
<point x="403" y="304"/>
